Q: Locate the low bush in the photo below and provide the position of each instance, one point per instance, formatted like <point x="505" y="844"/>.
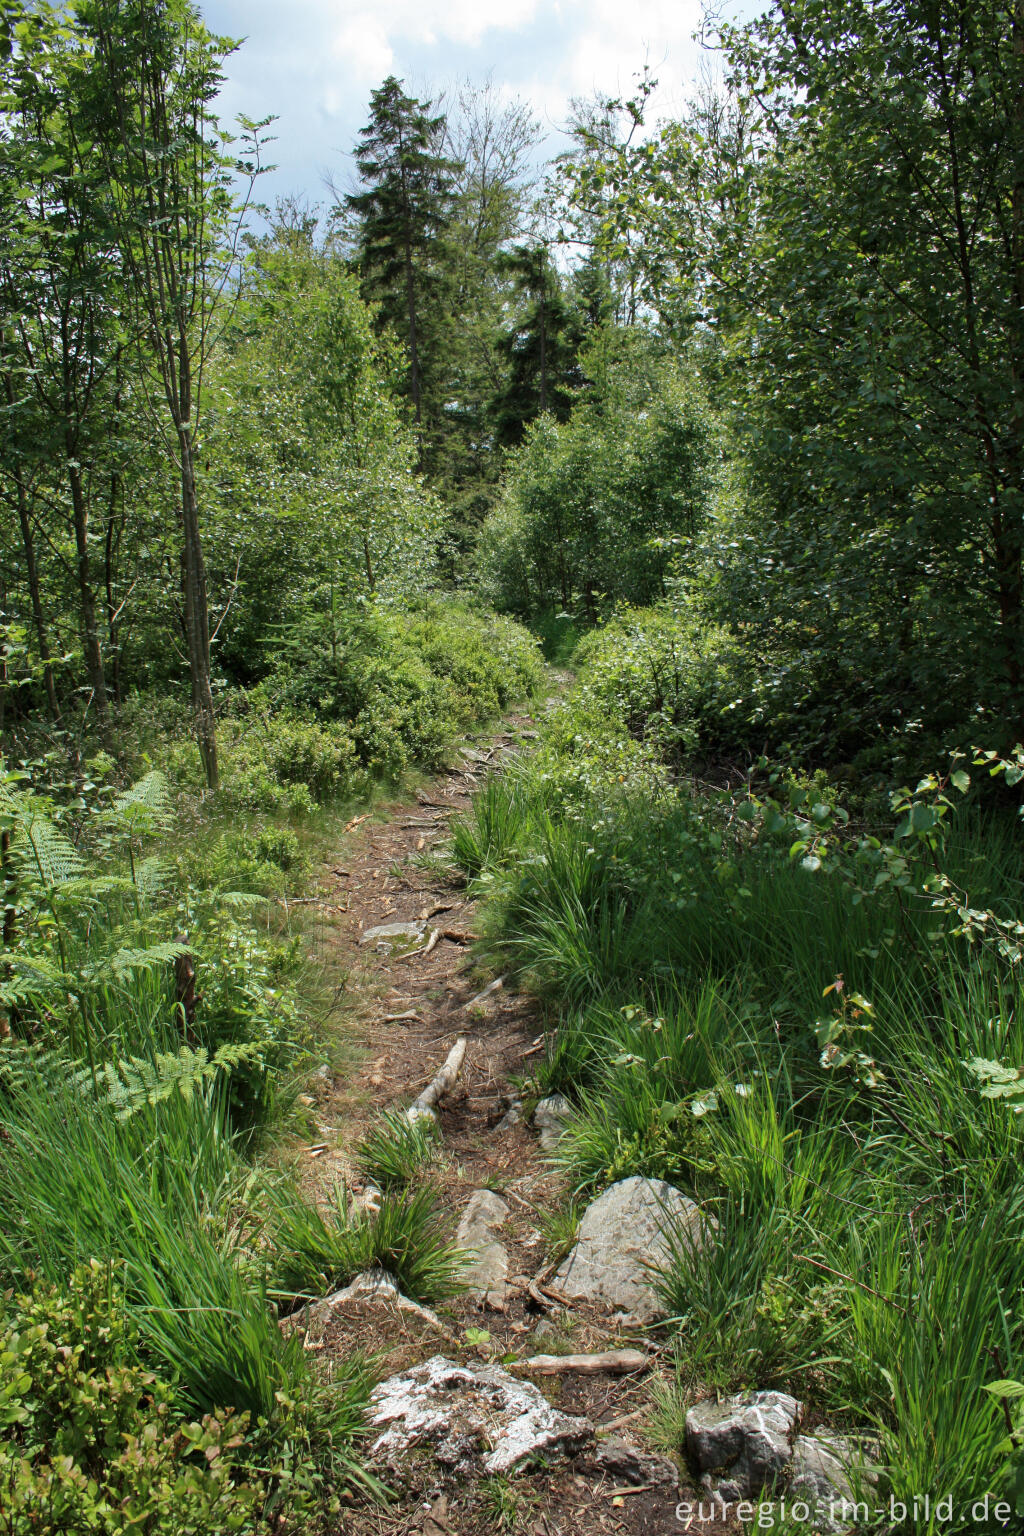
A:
<point x="408" y="1237"/>
<point x="808" y="1028"/>
<point x="93" y="1442"/>
<point x="405" y="682"/>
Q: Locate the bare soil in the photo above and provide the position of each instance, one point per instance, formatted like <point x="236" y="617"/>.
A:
<point x="406" y="1011"/>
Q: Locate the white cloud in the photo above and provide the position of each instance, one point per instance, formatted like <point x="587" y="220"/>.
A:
<point x="315" y="62"/>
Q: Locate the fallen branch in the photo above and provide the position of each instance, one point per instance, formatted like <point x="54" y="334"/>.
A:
<point x="492" y="986"/>
<point x="443" y="1083"/>
<point x="425" y="949"/>
<point x="622" y="1421"/>
<point x="617" y="1362"/>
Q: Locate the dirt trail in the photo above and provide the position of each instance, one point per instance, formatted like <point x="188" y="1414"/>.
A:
<point x="412" y="1009"/>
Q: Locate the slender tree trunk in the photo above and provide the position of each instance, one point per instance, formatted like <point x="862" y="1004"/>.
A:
<point x="197" y="615"/>
<point x="110" y="545"/>
<point x="543" y="351"/>
<point x="32" y="571"/>
<point x="414" y="357"/>
<point x="86" y="596"/>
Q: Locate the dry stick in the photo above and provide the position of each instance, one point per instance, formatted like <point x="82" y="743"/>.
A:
<point x="441" y="1085"/>
<point x="622" y="1420"/>
<point x="802" y="1258"/>
<point x="618" y="1362"/>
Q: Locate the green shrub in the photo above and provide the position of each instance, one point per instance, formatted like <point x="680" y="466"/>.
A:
<point x="93" y="1442"/>
<point x="277" y="761"/>
<point x="395" y="1149"/>
<point x="405" y="682"/>
<point x="408" y="1237"/>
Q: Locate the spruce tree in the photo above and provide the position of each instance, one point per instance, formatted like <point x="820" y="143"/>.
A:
<point x="540" y="347"/>
<point x="403" y="213"/>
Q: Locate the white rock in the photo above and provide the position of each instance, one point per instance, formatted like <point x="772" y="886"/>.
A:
<point x="376" y="1286"/>
<point x="486" y="1273"/>
<point x="743" y="1445"/>
<point x="477" y="1418"/>
<point x="550" y="1118"/>
<point x="825" y="1473"/>
<point x="622" y="1235"/>
<point x="391" y="936"/>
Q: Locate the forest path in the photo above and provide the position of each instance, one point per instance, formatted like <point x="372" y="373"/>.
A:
<point x="409" y="1009"/>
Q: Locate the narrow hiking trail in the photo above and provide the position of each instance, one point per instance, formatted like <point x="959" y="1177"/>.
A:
<point x="411" y="1006"/>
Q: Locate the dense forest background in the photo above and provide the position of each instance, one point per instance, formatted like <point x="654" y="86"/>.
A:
<point x="764" y="361"/>
<point x="725" y="413"/>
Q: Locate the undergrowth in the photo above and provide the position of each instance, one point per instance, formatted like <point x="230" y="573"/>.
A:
<point x="817" y="1033"/>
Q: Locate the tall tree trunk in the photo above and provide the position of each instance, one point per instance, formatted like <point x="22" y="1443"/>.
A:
<point x="414" y="356"/>
<point x="32" y="571"/>
<point x="110" y="546"/>
<point x="86" y="596"/>
<point x="197" y="614"/>
<point x="543" y="352"/>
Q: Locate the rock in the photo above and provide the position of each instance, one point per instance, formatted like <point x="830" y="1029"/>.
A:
<point x="478" y="1419"/>
<point x="825" y="1471"/>
<point x="544" y="1330"/>
<point x="550" y="1118"/>
<point x="390" y="936"/>
<point x="621" y="1236"/>
<point x="744" y="1444"/>
<point x="511" y="1117"/>
<point x="375" y="1287"/>
<point x="628" y="1464"/>
<point x="487" y="1272"/>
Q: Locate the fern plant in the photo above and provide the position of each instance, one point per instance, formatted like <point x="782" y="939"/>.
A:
<point x="134" y="1082"/>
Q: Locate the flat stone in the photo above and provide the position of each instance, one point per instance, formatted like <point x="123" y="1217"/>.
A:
<point x="628" y="1464"/>
<point x="622" y="1235"/>
<point x="824" y="1470"/>
<point x="393" y="935"/>
<point x="743" y="1445"/>
<point x="487" y="1272"/>
<point x="550" y="1119"/>
<point x="478" y="1419"/>
<point x="512" y="1116"/>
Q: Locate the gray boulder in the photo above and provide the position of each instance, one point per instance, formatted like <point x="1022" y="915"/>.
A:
<point x="550" y="1119"/>
<point x="743" y="1445"/>
<point x="478" y="1419"/>
<point x="392" y="936"/>
<point x="628" y="1464"/>
<point x="825" y="1473"/>
<point x="622" y="1235"/>
<point x="487" y="1271"/>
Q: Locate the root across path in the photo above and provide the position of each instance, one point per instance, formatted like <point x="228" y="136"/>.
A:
<point x="438" y="1038"/>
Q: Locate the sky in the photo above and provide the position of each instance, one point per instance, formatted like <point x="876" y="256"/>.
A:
<point x="313" y="63"/>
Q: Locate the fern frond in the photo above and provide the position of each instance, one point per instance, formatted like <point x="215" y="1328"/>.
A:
<point x="146" y="804"/>
<point x="28" y="978"/>
<point x="26" y="1065"/>
<point x="137" y="1081"/>
<point x="127" y="960"/>
<point x="151" y="876"/>
<point x="53" y="856"/>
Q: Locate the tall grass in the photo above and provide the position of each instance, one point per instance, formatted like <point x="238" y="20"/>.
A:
<point x="870" y="1252"/>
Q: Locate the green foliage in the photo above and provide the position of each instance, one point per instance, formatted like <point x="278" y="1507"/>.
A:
<point x="597" y="510"/>
<point x="395" y="1149"/>
<point x="404" y="683"/>
<point x="789" y="1016"/>
<point x="93" y="1442"/>
<point x="408" y="1238"/>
